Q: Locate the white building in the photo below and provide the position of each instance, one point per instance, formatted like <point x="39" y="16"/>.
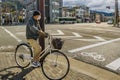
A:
<point x="80" y="12"/>
<point x="55" y="9"/>
<point x="83" y="13"/>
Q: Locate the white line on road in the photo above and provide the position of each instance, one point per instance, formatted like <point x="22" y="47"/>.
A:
<point x="57" y="34"/>
<point x="101" y="29"/>
<point x="76" y="34"/>
<point x="114" y="65"/>
<point x="93" y="45"/>
<point x="95" y="29"/>
<point x="69" y="37"/>
<point x="92" y="40"/>
<point x="66" y="37"/>
<point x="99" y="38"/>
<point x="60" y="32"/>
<point x="11" y="34"/>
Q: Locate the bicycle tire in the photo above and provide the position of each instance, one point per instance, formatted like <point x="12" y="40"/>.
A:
<point x="22" y="49"/>
<point x="58" y="68"/>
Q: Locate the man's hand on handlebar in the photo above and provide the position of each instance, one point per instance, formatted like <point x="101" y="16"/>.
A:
<point x="43" y="34"/>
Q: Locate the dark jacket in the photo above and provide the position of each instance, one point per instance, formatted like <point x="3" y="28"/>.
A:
<point x="32" y="29"/>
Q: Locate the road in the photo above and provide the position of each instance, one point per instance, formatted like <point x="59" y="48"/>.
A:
<point x="96" y="44"/>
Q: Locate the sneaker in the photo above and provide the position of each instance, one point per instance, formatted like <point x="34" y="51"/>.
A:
<point x="35" y="64"/>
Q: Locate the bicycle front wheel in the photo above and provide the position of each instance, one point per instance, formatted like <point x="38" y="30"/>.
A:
<point x="55" y="65"/>
<point x="23" y="55"/>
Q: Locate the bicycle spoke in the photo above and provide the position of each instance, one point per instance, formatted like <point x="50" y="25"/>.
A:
<point x="55" y="66"/>
<point x="23" y="55"/>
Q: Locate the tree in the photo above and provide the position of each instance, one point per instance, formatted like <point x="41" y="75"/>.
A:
<point x="12" y="5"/>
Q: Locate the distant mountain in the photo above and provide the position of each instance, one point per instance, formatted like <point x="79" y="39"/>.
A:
<point x="104" y="13"/>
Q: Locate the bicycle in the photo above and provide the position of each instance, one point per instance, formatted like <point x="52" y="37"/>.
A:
<point x="54" y="63"/>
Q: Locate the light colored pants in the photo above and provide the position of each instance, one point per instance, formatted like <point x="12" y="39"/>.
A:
<point x="36" y="47"/>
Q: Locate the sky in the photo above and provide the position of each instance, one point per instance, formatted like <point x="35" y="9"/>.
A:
<point x="99" y="5"/>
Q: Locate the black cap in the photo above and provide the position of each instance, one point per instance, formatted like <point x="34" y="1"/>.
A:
<point x="36" y="13"/>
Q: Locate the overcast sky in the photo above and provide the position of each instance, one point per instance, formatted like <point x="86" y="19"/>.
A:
<point x="94" y="4"/>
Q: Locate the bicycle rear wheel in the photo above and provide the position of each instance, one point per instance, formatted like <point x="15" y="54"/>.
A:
<point x="23" y="55"/>
<point x="55" y="65"/>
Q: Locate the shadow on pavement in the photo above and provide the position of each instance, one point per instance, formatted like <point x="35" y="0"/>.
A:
<point x="9" y="74"/>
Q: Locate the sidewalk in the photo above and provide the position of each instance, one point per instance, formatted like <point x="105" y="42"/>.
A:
<point x="78" y="71"/>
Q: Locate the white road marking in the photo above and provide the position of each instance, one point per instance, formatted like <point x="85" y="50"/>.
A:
<point x="93" y="45"/>
<point x="66" y="37"/>
<point x="59" y="33"/>
<point x="76" y="34"/>
<point x="114" y="65"/>
<point x="95" y="29"/>
<point x="93" y="55"/>
<point x="99" y="38"/>
<point x="11" y="34"/>
<point x="92" y="40"/>
<point x="102" y="29"/>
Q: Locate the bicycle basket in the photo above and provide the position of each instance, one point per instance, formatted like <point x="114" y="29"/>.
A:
<point x="57" y="43"/>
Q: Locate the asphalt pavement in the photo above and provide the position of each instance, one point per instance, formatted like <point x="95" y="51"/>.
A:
<point x="93" y="50"/>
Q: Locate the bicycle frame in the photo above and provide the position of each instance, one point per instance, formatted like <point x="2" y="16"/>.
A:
<point x="48" y="48"/>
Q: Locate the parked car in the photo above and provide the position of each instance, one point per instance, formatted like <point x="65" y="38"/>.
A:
<point x="98" y="21"/>
<point x="110" y="22"/>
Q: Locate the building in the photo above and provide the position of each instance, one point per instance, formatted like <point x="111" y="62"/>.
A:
<point x="80" y="12"/>
<point x="53" y="9"/>
<point x="83" y="13"/>
<point x="68" y="12"/>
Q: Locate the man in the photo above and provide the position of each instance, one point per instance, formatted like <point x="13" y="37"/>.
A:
<point x="33" y="31"/>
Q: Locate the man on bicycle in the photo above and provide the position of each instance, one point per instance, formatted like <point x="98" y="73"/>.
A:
<point x="33" y="31"/>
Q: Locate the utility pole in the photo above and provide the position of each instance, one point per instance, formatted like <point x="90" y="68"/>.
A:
<point x="116" y="18"/>
<point x="41" y="8"/>
<point x="1" y="13"/>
